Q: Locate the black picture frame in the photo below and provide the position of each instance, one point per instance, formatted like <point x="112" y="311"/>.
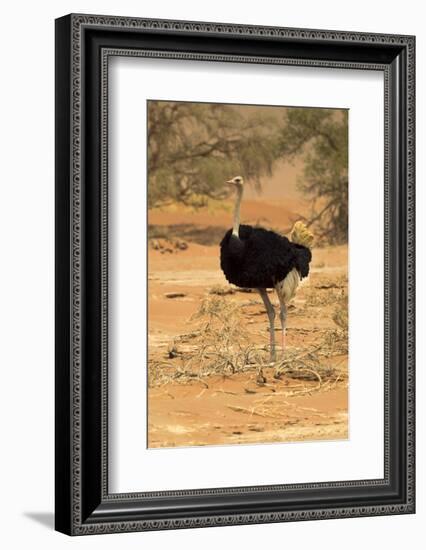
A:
<point x="83" y="46"/>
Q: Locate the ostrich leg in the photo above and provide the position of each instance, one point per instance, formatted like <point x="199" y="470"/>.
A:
<point x="271" y="316"/>
<point x="283" y="317"/>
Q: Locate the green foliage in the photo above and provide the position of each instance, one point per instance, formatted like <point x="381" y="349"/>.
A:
<point x="321" y="136"/>
<point x="193" y="148"/>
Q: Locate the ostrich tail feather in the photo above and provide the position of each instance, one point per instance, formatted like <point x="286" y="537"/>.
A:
<point x="300" y="234"/>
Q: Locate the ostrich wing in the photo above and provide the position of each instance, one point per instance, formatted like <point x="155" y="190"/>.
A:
<point x="303" y="258"/>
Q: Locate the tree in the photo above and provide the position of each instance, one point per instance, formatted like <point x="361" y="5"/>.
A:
<point x="193" y="148"/>
<point x="321" y="136"/>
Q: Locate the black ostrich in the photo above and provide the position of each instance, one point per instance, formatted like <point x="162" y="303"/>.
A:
<point x="254" y="257"/>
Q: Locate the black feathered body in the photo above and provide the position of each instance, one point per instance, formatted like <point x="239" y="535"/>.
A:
<point x="260" y="258"/>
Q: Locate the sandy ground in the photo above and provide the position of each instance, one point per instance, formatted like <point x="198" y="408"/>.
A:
<point x="228" y="409"/>
<point x="236" y="410"/>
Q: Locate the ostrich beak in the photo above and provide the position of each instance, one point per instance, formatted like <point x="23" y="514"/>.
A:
<point x="231" y="182"/>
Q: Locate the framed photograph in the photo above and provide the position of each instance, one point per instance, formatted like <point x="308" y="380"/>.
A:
<point x="234" y="274"/>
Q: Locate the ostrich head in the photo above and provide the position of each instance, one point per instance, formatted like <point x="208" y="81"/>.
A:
<point x="237" y="182"/>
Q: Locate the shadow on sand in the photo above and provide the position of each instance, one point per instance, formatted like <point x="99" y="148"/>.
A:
<point x="205" y="235"/>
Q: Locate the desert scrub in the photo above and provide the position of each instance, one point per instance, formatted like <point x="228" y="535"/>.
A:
<point x="219" y="344"/>
<point x="222" y="290"/>
<point x="223" y="345"/>
<point x="340" y="313"/>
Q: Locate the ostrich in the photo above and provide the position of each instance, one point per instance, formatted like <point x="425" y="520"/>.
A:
<point x="254" y="257"/>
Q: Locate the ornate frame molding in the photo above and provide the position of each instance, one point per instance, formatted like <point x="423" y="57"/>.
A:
<point x="72" y="46"/>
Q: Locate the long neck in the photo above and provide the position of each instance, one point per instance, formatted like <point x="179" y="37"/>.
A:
<point x="236" y="226"/>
